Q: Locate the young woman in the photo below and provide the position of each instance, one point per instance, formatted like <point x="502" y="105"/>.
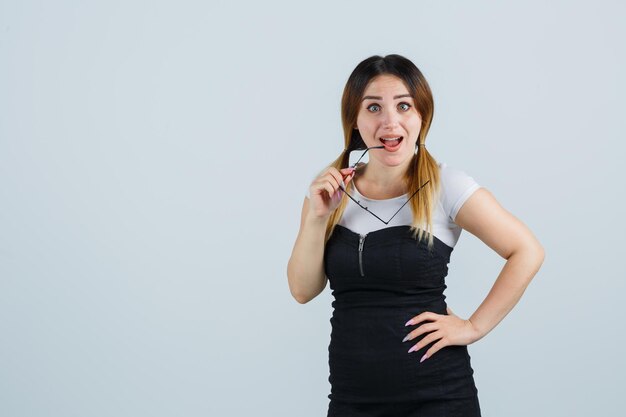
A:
<point x="382" y="234"/>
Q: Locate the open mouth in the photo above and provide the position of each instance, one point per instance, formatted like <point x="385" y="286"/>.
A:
<point x="391" y="143"/>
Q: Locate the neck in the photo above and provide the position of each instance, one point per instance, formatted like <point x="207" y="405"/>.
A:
<point x="385" y="177"/>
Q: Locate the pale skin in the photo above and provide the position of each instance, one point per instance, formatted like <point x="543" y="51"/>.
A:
<point x="388" y="114"/>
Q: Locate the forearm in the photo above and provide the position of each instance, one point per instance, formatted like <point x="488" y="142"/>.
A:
<point x="305" y="270"/>
<point x="508" y="288"/>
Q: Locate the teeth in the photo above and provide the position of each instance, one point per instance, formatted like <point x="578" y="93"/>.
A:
<point x="392" y="138"/>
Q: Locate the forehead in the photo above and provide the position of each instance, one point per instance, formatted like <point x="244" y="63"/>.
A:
<point x="385" y="84"/>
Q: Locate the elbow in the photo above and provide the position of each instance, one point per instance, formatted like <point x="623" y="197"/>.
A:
<point x="297" y="295"/>
<point x="532" y="251"/>
<point x="539" y="257"/>
<point x="300" y="296"/>
<point x="536" y="254"/>
<point x="539" y="253"/>
<point x="304" y="298"/>
<point x="542" y="254"/>
<point x="300" y="291"/>
<point x="300" y="299"/>
<point x="531" y="256"/>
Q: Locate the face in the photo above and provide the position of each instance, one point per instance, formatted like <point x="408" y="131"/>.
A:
<point x="388" y="111"/>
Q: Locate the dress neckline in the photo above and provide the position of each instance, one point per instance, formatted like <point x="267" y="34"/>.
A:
<point x="381" y="235"/>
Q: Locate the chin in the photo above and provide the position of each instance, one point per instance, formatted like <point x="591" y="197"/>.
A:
<point x="393" y="161"/>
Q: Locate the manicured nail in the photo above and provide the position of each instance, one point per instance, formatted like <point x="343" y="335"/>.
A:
<point x="412" y="349"/>
<point x="423" y="358"/>
<point x="405" y="338"/>
<point x="409" y="322"/>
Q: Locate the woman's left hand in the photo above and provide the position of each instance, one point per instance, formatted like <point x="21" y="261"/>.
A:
<point x="448" y="329"/>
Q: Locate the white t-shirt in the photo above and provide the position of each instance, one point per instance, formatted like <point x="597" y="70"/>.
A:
<point x="456" y="188"/>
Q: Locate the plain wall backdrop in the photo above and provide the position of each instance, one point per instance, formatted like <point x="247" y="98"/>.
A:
<point x="154" y="157"/>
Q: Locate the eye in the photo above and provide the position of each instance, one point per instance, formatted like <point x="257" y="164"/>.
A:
<point x="372" y="105"/>
<point x="405" y="106"/>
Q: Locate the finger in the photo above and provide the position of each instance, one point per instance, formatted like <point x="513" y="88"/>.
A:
<point x="434" y="349"/>
<point x="338" y="178"/>
<point x="349" y="178"/>
<point x="329" y="183"/>
<point x="427" y="315"/>
<point x="424" y="328"/>
<point x="329" y="188"/>
<point x="320" y="187"/>
<point x="347" y="173"/>
<point x="333" y="187"/>
<point x="328" y="173"/>
<point x="425" y="341"/>
<point x="336" y="175"/>
<point x="336" y="186"/>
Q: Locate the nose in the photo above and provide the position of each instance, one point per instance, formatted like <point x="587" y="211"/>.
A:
<point x="390" y="119"/>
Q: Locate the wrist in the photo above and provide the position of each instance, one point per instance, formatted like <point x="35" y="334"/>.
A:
<point x="477" y="333"/>
<point x="316" y="221"/>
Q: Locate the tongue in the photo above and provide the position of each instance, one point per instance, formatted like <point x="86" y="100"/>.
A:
<point x="391" y="143"/>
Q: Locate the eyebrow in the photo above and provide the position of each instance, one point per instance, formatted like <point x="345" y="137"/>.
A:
<point x="380" y="98"/>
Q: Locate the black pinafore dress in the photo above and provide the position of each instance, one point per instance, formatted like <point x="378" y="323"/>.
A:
<point x="381" y="280"/>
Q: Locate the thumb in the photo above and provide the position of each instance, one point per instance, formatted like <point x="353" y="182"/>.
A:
<point x="348" y="178"/>
<point x="450" y="312"/>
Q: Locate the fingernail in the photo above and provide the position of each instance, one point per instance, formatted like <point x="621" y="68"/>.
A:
<point x="412" y="349"/>
<point x="423" y="358"/>
<point x="409" y="322"/>
<point x="405" y="338"/>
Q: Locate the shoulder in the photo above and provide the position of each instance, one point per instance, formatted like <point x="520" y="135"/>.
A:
<point x="450" y="173"/>
<point x="456" y="187"/>
<point x="452" y="176"/>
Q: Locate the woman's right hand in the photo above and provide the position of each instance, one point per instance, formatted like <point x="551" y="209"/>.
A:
<point x="325" y="192"/>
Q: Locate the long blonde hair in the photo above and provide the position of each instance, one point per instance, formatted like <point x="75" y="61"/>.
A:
<point x="423" y="167"/>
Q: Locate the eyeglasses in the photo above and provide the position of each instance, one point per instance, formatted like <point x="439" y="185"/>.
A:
<point x="364" y="207"/>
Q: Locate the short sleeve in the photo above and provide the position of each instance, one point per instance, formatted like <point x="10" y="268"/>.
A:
<point x="456" y="187"/>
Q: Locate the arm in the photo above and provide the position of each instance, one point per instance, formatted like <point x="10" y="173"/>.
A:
<point x="485" y="218"/>
<point x="305" y="270"/>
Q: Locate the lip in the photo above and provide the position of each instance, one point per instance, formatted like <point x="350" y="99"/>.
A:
<point x="389" y="148"/>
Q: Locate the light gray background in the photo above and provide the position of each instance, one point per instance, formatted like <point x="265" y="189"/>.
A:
<point x="153" y="161"/>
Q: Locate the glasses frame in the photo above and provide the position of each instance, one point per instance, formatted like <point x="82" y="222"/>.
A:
<point x="365" y="207"/>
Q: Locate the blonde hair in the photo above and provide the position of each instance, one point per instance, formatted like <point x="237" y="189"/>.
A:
<point x="423" y="167"/>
